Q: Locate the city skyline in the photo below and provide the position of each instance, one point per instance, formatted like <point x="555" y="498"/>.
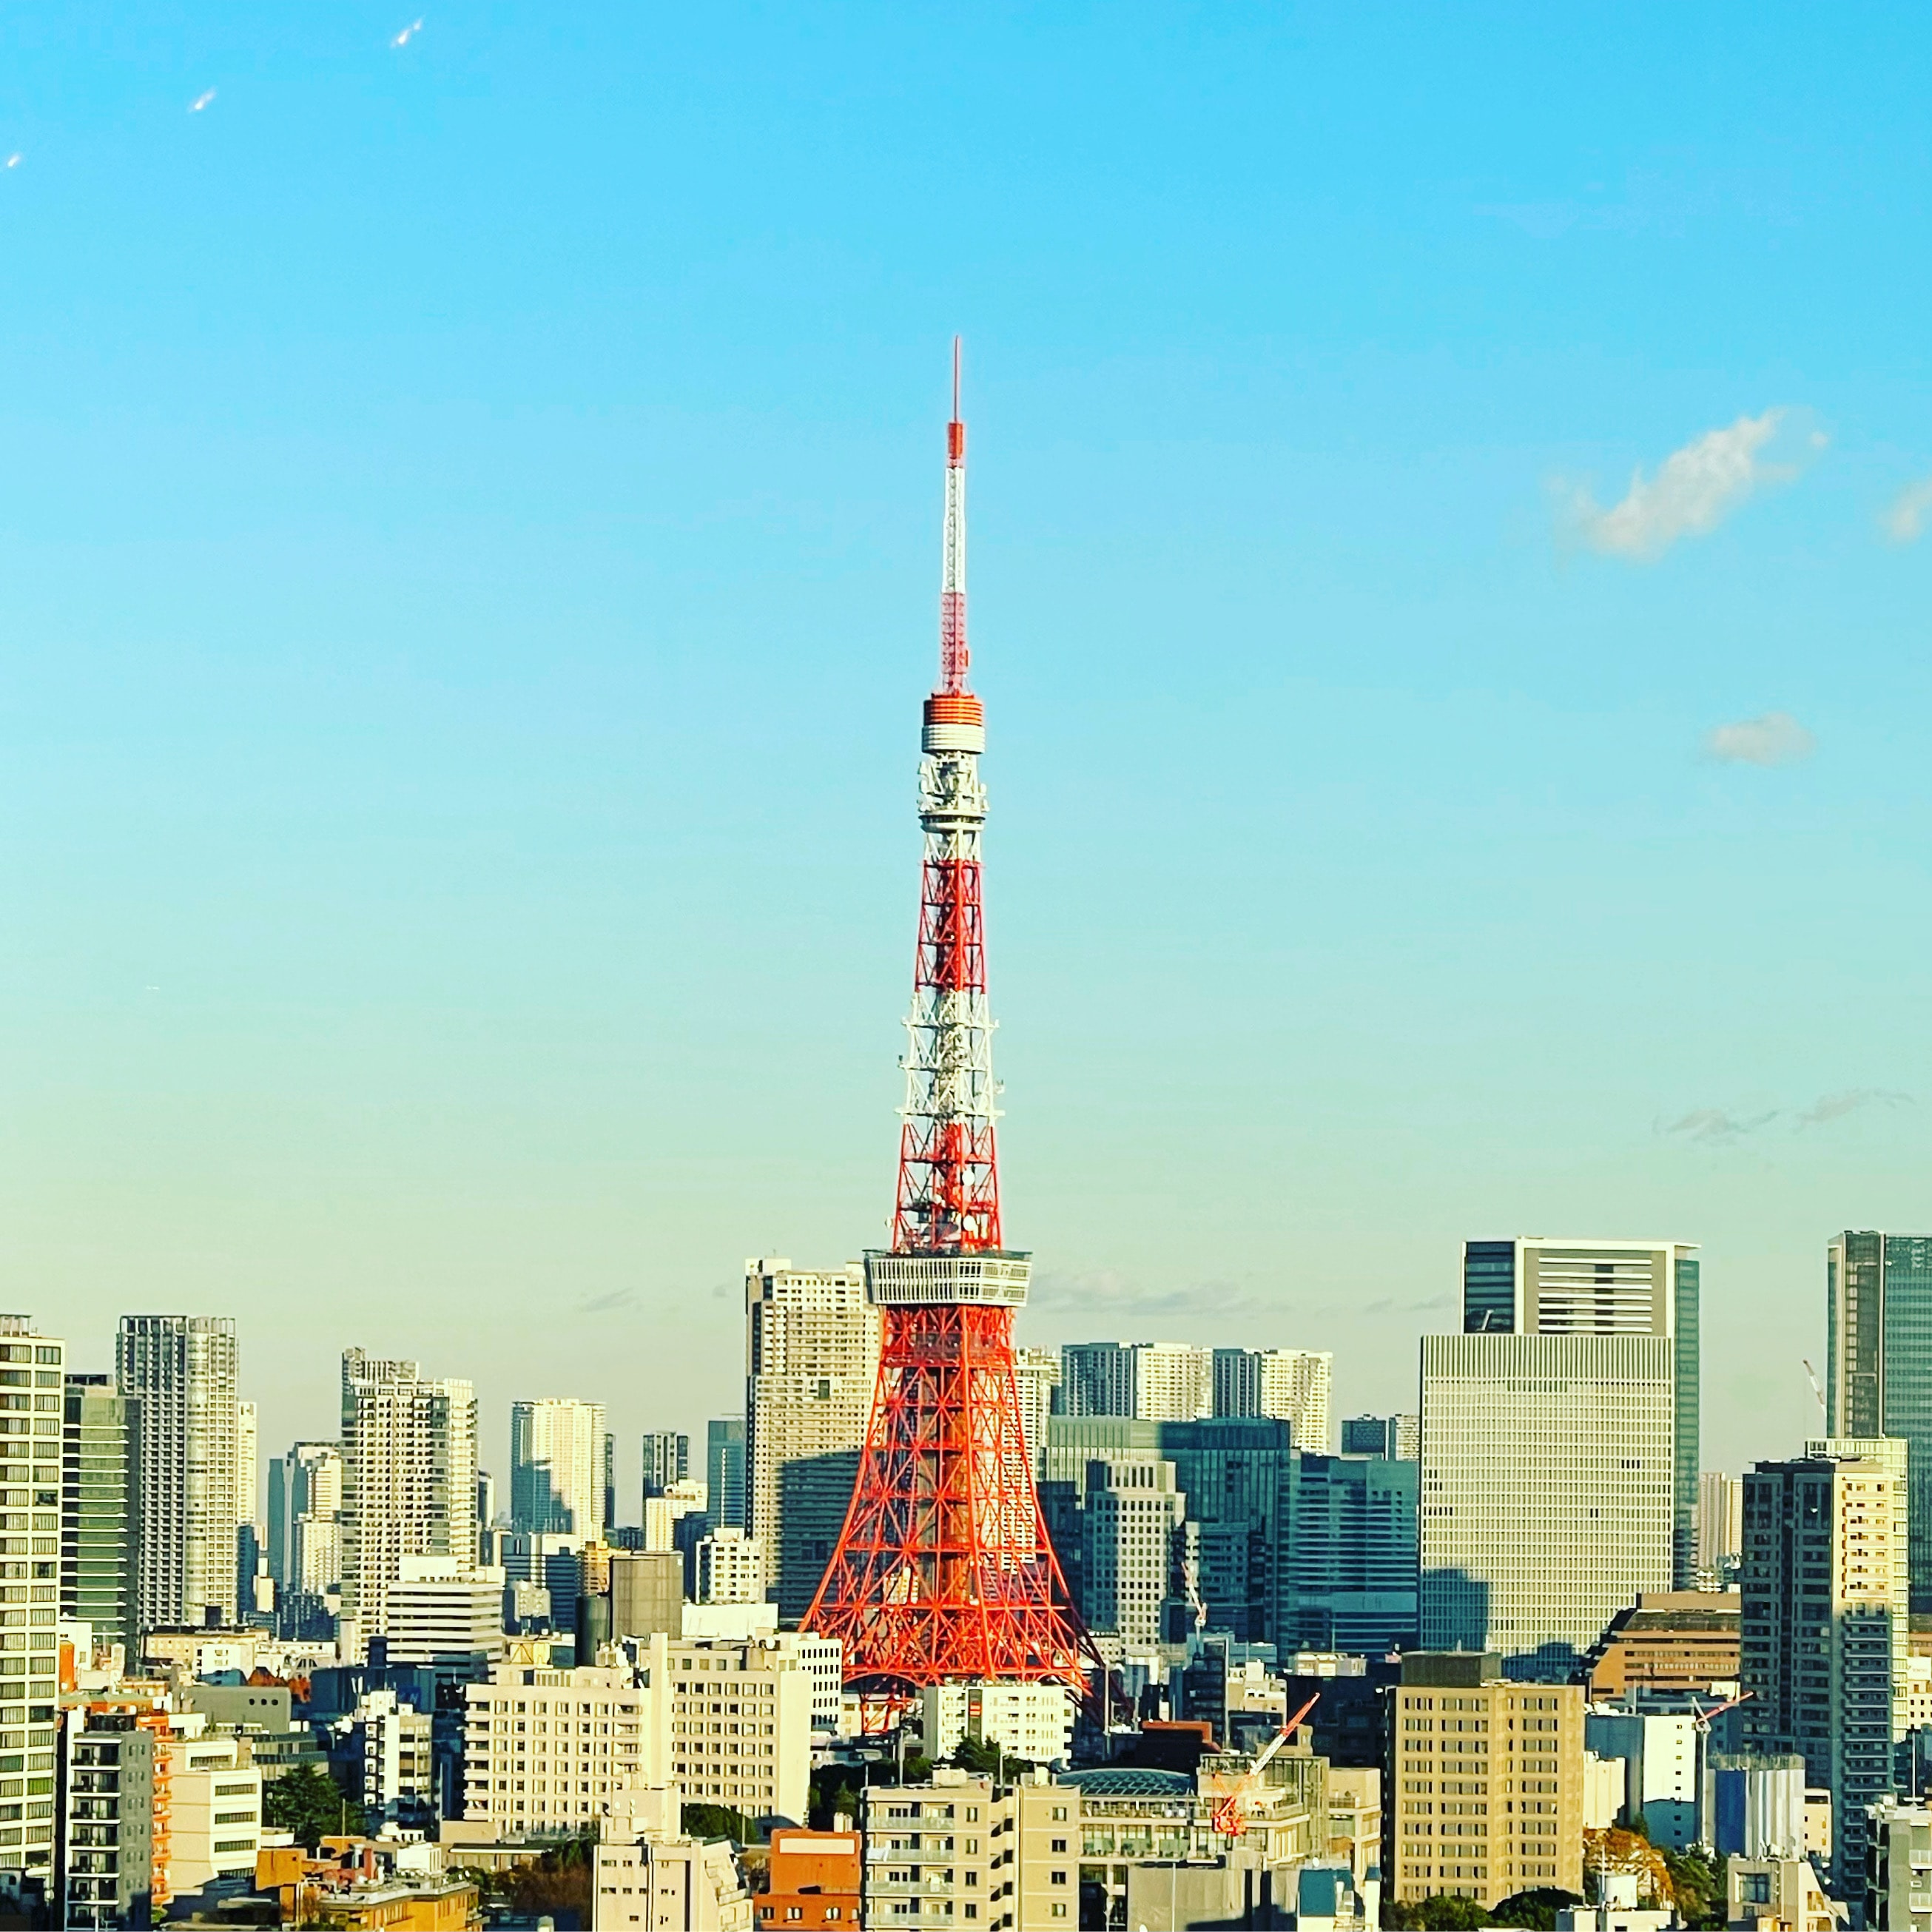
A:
<point x="387" y="914"/>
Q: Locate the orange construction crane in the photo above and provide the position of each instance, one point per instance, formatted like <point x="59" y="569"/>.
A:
<point x="1230" y="1815"/>
<point x="1702" y="1718"/>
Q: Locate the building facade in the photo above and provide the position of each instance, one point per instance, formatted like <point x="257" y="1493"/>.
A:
<point x="409" y="1477"/>
<point x="1546" y="1489"/>
<point x="1037" y="1372"/>
<point x="1878" y="1362"/>
<point x="666" y="1460"/>
<point x="812" y="1358"/>
<point x="100" y="1522"/>
<point x="1487" y="1784"/>
<point x="1824" y="1593"/>
<point x="556" y="1468"/>
<point x="1540" y="1285"/>
<point x="183" y="1368"/>
<point x="1352" y="1553"/>
<point x="1131" y="1555"/>
<point x="724" y="1471"/>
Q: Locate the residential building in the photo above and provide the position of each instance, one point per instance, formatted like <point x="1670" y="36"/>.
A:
<point x="100" y="1523"/>
<point x="741" y="1725"/>
<point x="812" y="1361"/>
<point x="1674" y="1640"/>
<point x="32" y="1379"/>
<point x="813" y="1879"/>
<point x="111" y="1797"/>
<point x="1778" y="1895"/>
<point x="1355" y="1819"/>
<point x="666" y="1460"/>
<point x="1352" y="1553"/>
<point x="1721" y="1502"/>
<point x="649" y="1875"/>
<point x="1133" y="1556"/>
<point x="1297" y="1387"/>
<point x="1097" y="1378"/>
<point x="1397" y="1436"/>
<point x="1539" y="1285"/>
<point x="1878" y="1379"/>
<point x="409" y="1477"/>
<point x="183" y="1368"/>
<point x="1825" y="1593"/>
<point x="250" y="1570"/>
<point x="1031" y="1722"/>
<point x="730" y="1568"/>
<point x="392" y="1748"/>
<point x="1036" y="1372"/>
<point x="305" y="1536"/>
<point x="444" y="1614"/>
<point x="1659" y="1753"/>
<point x="1546" y="1500"/>
<point x="1898" y="1893"/>
<point x="609" y="1460"/>
<point x="556" y="1468"/>
<point x="1487" y="1781"/>
<point x="546" y="1750"/>
<point x="724" y="1471"/>
<point x="215" y="1812"/>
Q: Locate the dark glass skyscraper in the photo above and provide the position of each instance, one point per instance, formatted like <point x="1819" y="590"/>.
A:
<point x="99" y="1515"/>
<point x="1879" y="1354"/>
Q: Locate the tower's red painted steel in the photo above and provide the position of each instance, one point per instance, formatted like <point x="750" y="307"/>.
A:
<point x="943" y="1573"/>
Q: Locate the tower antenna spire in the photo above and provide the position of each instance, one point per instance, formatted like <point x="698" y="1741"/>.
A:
<point x="954" y="657"/>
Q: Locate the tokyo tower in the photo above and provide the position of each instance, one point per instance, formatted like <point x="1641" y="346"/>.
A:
<point x="942" y="1573"/>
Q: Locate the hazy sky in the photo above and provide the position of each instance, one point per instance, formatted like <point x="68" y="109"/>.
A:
<point x="1444" y="587"/>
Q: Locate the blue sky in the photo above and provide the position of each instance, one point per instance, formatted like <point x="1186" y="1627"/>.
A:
<point x="468" y="565"/>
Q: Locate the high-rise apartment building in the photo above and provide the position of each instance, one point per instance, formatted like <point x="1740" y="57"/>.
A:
<point x="1036" y="1371"/>
<point x="1297" y="1387"/>
<point x="305" y="1525"/>
<point x="32" y="1377"/>
<point x="183" y="1367"/>
<point x="1539" y="1285"/>
<point x="1546" y="1499"/>
<point x="1487" y="1784"/>
<point x="812" y="1340"/>
<point x="409" y="1477"/>
<point x="666" y="1460"/>
<point x="556" y="1468"/>
<point x="1398" y="1436"/>
<point x="100" y="1523"/>
<point x="610" y="1483"/>
<point x="1825" y="1597"/>
<point x="724" y="1471"/>
<point x="1097" y="1378"/>
<point x="249" y="1553"/>
<point x="1720" y="1503"/>
<point x="1878" y="1362"/>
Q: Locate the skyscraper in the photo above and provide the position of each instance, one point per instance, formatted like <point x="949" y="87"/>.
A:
<point x="1720" y="1500"/>
<point x="1546" y="1499"/>
<point x="556" y="1468"/>
<point x="1536" y="1284"/>
<point x="667" y="1460"/>
<point x="1879" y="1356"/>
<point x="32" y="1369"/>
<point x="812" y="1340"/>
<point x="1825" y="1597"/>
<point x="724" y="1471"/>
<point x="183" y="1368"/>
<point x="1097" y="1378"/>
<point x="305" y="1531"/>
<point x="100" y="1523"/>
<point x="1397" y="1436"/>
<point x="1037" y="1372"/>
<point x="1292" y="1385"/>
<point x="1351" y="1547"/>
<point x="409" y="1477"/>
<point x="248" y="1538"/>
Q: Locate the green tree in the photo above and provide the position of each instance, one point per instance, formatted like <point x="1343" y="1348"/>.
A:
<point x="986" y="1760"/>
<point x="721" y="1821"/>
<point x="1444" y="1912"/>
<point x="310" y="1803"/>
<point x="1536" y="1909"/>
<point x="558" y="1883"/>
<point x="835" y="1788"/>
<point x="1697" y="1887"/>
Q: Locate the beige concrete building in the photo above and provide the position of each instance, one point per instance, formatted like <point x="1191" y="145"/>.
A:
<point x="812" y="1358"/>
<point x="741" y="1725"/>
<point x="1355" y="1818"/>
<point x="649" y="1876"/>
<point x="215" y="1817"/>
<point x="1488" y="1778"/>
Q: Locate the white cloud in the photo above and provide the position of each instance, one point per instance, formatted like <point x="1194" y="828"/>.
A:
<point x="1714" y="1124"/>
<point x="1776" y="738"/>
<point x="1905" y="517"/>
<point x="408" y="34"/>
<point x="1695" y="488"/>
<point x="1829" y="1107"/>
<point x="200" y="101"/>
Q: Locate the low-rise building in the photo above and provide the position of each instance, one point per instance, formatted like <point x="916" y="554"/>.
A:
<point x="1778" y="1895"/>
<point x="1754" y="1806"/>
<point x="1355" y="1819"/>
<point x="1669" y="1640"/>
<point x="215" y="1795"/>
<point x="1898" y="1883"/>
<point x="1660" y="1754"/>
<point x="814" y="1879"/>
<point x="741" y="1725"/>
<point x="648" y="1875"/>
<point x="111" y="1841"/>
<point x="1033" y="1722"/>
<point x="356" y="1885"/>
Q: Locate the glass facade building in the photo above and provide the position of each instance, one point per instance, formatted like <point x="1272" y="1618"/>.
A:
<point x="1878" y="1373"/>
<point x="101" y="1451"/>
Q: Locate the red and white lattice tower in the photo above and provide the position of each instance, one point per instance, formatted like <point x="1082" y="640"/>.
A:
<point x="942" y="1573"/>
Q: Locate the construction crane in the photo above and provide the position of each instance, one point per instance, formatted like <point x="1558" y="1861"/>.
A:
<point x="1230" y="1815"/>
<point x="1811" y="1376"/>
<point x="1701" y="1717"/>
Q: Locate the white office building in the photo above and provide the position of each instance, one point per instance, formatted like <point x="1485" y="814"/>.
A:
<point x="557" y="1467"/>
<point x="1037" y="1372"/>
<point x="183" y="1367"/>
<point x="1133" y="1515"/>
<point x="730" y="1567"/>
<point x="1031" y="1721"/>
<point x="1546" y="1489"/>
<point x="650" y="1875"/>
<point x="444" y="1613"/>
<point x="409" y="1477"/>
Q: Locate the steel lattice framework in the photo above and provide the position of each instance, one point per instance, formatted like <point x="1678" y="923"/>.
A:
<point x="943" y="1573"/>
